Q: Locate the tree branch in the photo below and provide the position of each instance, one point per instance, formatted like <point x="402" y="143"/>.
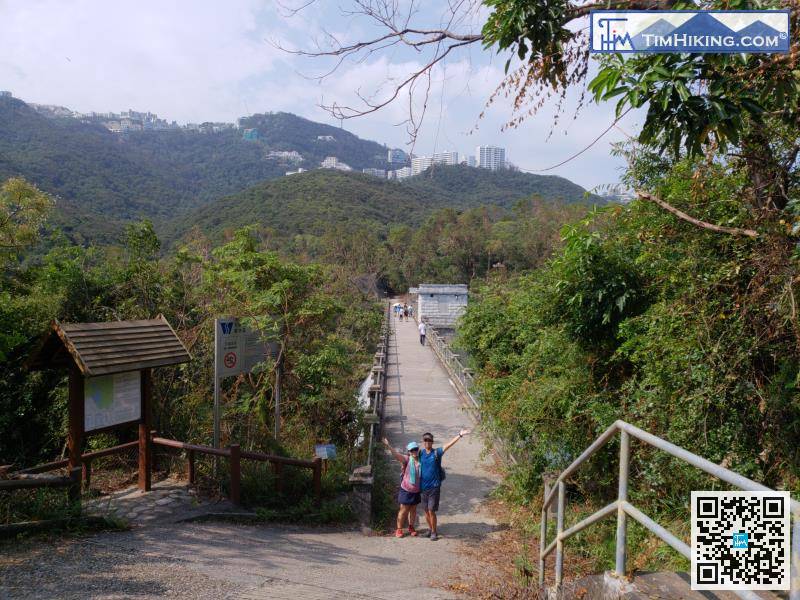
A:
<point x="689" y="219"/>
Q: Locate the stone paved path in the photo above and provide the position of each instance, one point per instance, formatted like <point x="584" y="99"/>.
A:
<point x="220" y="560"/>
<point x="169" y="500"/>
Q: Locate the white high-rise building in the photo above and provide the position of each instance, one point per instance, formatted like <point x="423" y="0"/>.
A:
<point x="445" y="158"/>
<point x="490" y="157"/>
<point x="420" y="163"/>
<point x="400" y="173"/>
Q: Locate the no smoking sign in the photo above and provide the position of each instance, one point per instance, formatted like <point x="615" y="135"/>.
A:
<point x="230" y="360"/>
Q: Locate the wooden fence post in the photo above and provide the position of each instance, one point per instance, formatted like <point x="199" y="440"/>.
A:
<point x="192" y="474"/>
<point x="145" y="456"/>
<point x="236" y="473"/>
<point x="318" y="479"/>
<point x="74" y="489"/>
<point x="87" y="474"/>
<point x="277" y="469"/>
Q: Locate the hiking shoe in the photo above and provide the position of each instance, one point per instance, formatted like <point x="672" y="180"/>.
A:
<point x="428" y="533"/>
<point x="412" y="532"/>
<point x="434" y="536"/>
<point x="399" y="533"/>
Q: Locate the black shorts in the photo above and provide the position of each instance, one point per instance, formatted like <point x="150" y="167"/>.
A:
<point x="430" y="499"/>
<point x="404" y="497"/>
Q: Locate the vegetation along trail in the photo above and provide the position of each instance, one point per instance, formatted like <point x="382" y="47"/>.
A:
<point x="244" y="561"/>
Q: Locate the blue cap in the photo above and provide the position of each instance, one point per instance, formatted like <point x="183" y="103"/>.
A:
<point x="412" y="446"/>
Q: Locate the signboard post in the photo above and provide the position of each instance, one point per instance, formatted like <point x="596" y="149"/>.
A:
<point x="238" y="349"/>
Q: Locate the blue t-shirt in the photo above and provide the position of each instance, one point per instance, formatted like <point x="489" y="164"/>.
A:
<point x="430" y="470"/>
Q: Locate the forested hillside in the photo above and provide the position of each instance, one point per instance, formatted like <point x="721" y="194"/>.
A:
<point x="219" y="181"/>
<point x="475" y="187"/>
<point x="285" y="131"/>
<point x="309" y="203"/>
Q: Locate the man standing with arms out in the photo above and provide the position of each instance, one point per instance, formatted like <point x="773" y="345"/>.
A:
<point x="422" y="331"/>
<point x="431" y="461"/>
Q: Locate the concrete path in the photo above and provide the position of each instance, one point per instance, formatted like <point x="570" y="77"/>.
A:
<point x="220" y="560"/>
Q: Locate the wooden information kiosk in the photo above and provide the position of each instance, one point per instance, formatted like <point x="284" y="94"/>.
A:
<point x="110" y="380"/>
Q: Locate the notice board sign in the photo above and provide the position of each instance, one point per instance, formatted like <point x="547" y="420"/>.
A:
<point x="112" y="400"/>
<point x="325" y="451"/>
<point x="238" y="348"/>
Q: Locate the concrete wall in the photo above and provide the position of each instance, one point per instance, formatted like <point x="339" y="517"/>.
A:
<point x="441" y="307"/>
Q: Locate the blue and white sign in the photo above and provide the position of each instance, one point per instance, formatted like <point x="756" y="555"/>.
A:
<point x="724" y="31"/>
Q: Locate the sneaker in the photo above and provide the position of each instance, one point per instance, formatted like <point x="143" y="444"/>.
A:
<point x="399" y="533"/>
<point x="434" y="536"/>
<point x="428" y="533"/>
<point x="412" y="532"/>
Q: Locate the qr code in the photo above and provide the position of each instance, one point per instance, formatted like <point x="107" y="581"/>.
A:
<point x="740" y="540"/>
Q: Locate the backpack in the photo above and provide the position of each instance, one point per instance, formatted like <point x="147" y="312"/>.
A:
<point x="442" y="472"/>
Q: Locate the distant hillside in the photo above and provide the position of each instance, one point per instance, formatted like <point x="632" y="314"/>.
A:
<point x="103" y="179"/>
<point x="307" y="203"/>
<point x="469" y="186"/>
<point x="179" y="178"/>
<point x="285" y="131"/>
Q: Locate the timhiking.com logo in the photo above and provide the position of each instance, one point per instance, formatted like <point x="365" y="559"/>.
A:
<point x="764" y="31"/>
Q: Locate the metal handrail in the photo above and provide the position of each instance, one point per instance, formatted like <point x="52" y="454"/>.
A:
<point x="625" y="509"/>
<point x="464" y="381"/>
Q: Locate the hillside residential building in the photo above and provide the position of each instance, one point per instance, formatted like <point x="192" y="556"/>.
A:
<point x="250" y="135"/>
<point x="331" y="162"/>
<point x="7" y="94"/>
<point x="420" y="163"/>
<point x="326" y="138"/>
<point x="396" y="156"/>
<point x="300" y="170"/>
<point x="445" y="158"/>
<point x="491" y="157"/>
<point x="400" y="173"/>
<point x="380" y="173"/>
<point x="291" y="155"/>
<point x="471" y="161"/>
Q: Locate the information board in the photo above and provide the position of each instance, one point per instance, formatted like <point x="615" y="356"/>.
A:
<point x="112" y="400"/>
<point x="239" y="349"/>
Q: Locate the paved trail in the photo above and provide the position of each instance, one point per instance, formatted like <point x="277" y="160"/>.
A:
<point x="256" y="562"/>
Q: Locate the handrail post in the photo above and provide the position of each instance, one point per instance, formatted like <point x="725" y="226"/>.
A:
<point x="236" y="473"/>
<point x="543" y="536"/>
<point x="559" y="531"/>
<point x="794" y="578"/>
<point x="622" y="497"/>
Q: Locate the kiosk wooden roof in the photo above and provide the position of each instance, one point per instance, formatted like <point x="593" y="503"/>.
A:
<point x="113" y="347"/>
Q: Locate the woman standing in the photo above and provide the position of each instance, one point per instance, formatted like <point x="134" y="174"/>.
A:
<point x="408" y="496"/>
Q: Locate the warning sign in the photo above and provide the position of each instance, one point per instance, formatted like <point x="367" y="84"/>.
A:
<point x="239" y="349"/>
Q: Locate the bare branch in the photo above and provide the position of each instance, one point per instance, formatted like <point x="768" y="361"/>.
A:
<point x="682" y="215"/>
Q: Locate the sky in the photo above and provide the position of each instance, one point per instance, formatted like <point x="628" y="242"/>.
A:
<point x="205" y="60"/>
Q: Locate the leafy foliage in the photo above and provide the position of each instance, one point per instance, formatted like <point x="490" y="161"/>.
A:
<point x="689" y="335"/>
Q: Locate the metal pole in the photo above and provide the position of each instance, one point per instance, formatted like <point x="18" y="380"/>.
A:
<point x="794" y="594"/>
<point x="277" y="395"/>
<point x="216" y="386"/>
<point x="622" y="496"/>
<point x="543" y="531"/>
<point x="559" y="531"/>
